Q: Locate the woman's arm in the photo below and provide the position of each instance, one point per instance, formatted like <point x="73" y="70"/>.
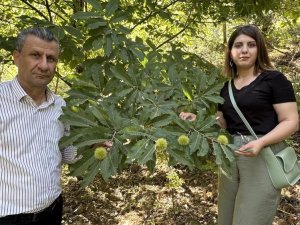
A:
<point x="220" y="120"/>
<point x="288" y="119"/>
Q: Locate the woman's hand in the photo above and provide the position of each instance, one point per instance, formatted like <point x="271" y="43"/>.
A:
<point x="251" y="149"/>
<point x="106" y="144"/>
<point x="188" y="116"/>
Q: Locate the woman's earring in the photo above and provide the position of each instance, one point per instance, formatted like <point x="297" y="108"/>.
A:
<point x="231" y="63"/>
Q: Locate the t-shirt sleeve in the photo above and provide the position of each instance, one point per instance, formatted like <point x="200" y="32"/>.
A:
<point x="282" y="89"/>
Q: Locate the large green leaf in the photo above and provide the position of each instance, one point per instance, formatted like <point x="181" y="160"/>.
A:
<point x="217" y="151"/>
<point x="161" y="120"/>
<point x="108" y="45"/>
<point x="195" y="142"/>
<point x="204" y="147"/>
<point x="121" y="74"/>
<point x="187" y="93"/>
<point x="138" y="53"/>
<point x="215" y="89"/>
<point x="137" y="152"/>
<point x="181" y="157"/>
<point x="72" y="116"/>
<point x="215" y="99"/>
<point x="89" y="177"/>
<point x="147" y="155"/>
<point x="97" y="24"/>
<point x="228" y="153"/>
<point x="83" y="167"/>
<point x="73" y="31"/>
<point x="95" y="3"/>
<point x="100" y="115"/>
<point x="69" y="140"/>
<point x="75" y="123"/>
<point x="111" y="7"/>
<point x="90" y="142"/>
<point x="207" y="123"/>
<point x="110" y="164"/>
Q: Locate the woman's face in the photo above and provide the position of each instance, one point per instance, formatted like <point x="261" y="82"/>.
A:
<point x="244" y="52"/>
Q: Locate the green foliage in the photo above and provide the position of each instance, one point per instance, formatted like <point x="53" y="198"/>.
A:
<point x="144" y="109"/>
<point x="132" y="66"/>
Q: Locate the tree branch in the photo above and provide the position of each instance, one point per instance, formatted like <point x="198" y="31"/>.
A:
<point x="49" y="11"/>
<point x="55" y="13"/>
<point x="285" y="212"/>
<point x="63" y="12"/>
<point x="276" y="49"/>
<point x="151" y="14"/>
<point x="35" y="9"/>
<point x="187" y="23"/>
<point x="63" y="79"/>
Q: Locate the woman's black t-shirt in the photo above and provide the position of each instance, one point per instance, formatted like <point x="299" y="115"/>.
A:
<point x="256" y="102"/>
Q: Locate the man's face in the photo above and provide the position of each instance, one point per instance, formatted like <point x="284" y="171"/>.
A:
<point x="36" y="62"/>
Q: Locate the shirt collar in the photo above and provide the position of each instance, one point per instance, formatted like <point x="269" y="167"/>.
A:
<point x="20" y="93"/>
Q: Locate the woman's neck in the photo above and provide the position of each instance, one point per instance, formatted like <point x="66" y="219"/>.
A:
<point x="244" y="78"/>
<point x="245" y="73"/>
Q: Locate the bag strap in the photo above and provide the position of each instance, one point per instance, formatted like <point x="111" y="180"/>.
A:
<point x="238" y="110"/>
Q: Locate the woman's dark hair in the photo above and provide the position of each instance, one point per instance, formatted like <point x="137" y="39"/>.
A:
<point x="262" y="62"/>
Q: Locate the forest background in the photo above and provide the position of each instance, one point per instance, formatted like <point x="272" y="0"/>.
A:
<point x="127" y="68"/>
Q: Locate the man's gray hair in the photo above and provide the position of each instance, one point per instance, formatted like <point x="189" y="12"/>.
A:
<point x="40" y="32"/>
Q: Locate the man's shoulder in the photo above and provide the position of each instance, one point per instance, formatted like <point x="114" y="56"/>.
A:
<point x="4" y="86"/>
<point x="5" y="83"/>
<point x="59" y="100"/>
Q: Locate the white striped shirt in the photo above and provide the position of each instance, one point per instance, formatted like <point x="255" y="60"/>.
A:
<point x="30" y="159"/>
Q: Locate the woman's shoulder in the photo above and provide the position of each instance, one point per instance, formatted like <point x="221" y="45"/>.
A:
<point x="270" y="75"/>
<point x="276" y="80"/>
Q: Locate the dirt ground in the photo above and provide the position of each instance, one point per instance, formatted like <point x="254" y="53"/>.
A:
<point x="136" y="197"/>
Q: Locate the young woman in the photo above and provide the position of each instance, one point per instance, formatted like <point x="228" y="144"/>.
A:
<point x="267" y="100"/>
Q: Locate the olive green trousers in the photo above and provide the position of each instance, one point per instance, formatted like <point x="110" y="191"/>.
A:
<point x="247" y="197"/>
